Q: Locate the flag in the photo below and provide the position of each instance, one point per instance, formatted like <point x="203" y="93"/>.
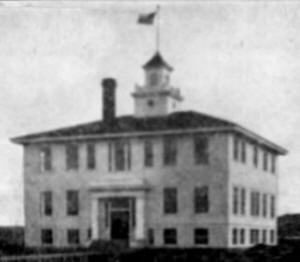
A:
<point x="146" y="19"/>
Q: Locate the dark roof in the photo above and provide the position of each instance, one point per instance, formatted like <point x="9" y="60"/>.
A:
<point x="129" y="123"/>
<point x="182" y="120"/>
<point x="157" y="61"/>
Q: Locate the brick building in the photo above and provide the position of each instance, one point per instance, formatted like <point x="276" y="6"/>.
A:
<point x="160" y="177"/>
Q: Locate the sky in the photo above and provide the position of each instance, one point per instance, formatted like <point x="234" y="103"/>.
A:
<point x="238" y="60"/>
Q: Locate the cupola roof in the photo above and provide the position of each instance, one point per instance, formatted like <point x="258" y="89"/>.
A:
<point x="157" y="61"/>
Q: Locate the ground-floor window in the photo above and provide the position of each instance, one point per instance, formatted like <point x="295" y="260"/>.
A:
<point x="201" y="236"/>
<point x="89" y="233"/>
<point x="264" y="236"/>
<point x="151" y="236"/>
<point x="242" y="236"/>
<point x="254" y="236"/>
<point x="73" y="236"/>
<point x="234" y="236"/>
<point x="272" y="236"/>
<point x="47" y="236"/>
<point x="170" y="236"/>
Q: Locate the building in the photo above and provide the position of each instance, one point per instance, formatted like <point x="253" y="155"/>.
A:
<point x="159" y="177"/>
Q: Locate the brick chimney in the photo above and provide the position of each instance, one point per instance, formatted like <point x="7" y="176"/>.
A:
<point x="108" y="99"/>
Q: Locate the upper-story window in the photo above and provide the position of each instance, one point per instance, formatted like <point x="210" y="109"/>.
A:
<point x="119" y="155"/>
<point x="170" y="200"/>
<point x="46" y="203"/>
<point x="201" y="152"/>
<point x="235" y="200"/>
<point x="72" y="202"/>
<point x="243" y="201"/>
<point x="170" y="150"/>
<point x="236" y="148"/>
<point x="264" y="205"/>
<point x="91" y="156"/>
<point x="239" y="149"/>
<point x="265" y="161"/>
<point x="255" y="155"/>
<point x="201" y="199"/>
<point x="148" y="153"/>
<point x="45" y="159"/>
<point x="273" y="163"/>
<point x="243" y="151"/>
<point x="255" y="207"/>
<point x="239" y="201"/>
<point x="72" y="157"/>
<point x="272" y="206"/>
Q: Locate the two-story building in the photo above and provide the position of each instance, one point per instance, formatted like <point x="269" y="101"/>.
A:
<point x="159" y="177"/>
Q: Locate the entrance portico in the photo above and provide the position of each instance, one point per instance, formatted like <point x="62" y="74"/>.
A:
<point x="118" y="210"/>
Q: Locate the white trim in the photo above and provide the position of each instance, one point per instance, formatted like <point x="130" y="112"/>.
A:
<point x="236" y="128"/>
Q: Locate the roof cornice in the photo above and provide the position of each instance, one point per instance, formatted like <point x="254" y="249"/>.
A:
<point x="221" y="129"/>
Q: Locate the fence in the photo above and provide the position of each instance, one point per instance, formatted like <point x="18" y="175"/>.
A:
<point x="61" y="257"/>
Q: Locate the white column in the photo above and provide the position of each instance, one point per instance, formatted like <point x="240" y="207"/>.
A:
<point x="140" y="218"/>
<point x="94" y="217"/>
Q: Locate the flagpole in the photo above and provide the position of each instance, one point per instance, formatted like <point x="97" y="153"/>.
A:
<point x="157" y="28"/>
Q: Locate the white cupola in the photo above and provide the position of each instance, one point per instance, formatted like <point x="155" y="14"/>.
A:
<point x="156" y="97"/>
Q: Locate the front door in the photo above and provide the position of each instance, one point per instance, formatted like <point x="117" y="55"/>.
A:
<point x="119" y="225"/>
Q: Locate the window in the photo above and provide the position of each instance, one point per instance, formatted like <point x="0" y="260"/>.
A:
<point x="121" y="160"/>
<point x="264" y="211"/>
<point x="151" y="236"/>
<point x="201" y="149"/>
<point x="264" y="236"/>
<point x="243" y="201"/>
<point x="72" y="202"/>
<point x="170" y="200"/>
<point x="106" y="214"/>
<point x="272" y="206"/>
<point x="46" y="203"/>
<point x="272" y="236"/>
<point x="148" y="153"/>
<point x="72" y="156"/>
<point x="170" y="151"/>
<point x="234" y="236"/>
<point x="201" y="199"/>
<point x="244" y="152"/>
<point x="132" y="210"/>
<point x="46" y="236"/>
<point x="201" y="236"/>
<point x="255" y="155"/>
<point x="89" y="233"/>
<point x="91" y="158"/>
<point x="45" y="159"/>
<point x="255" y="203"/>
<point x="254" y="236"/>
<point x="154" y="79"/>
<point x="242" y="236"/>
<point x="235" y="200"/>
<point x="73" y="236"/>
<point x="273" y="164"/>
<point x="236" y="148"/>
<point x="265" y="165"/>
<point x="170" y="236"/>
<point x="109" y="156"/>
<point x="120" y="155"/>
